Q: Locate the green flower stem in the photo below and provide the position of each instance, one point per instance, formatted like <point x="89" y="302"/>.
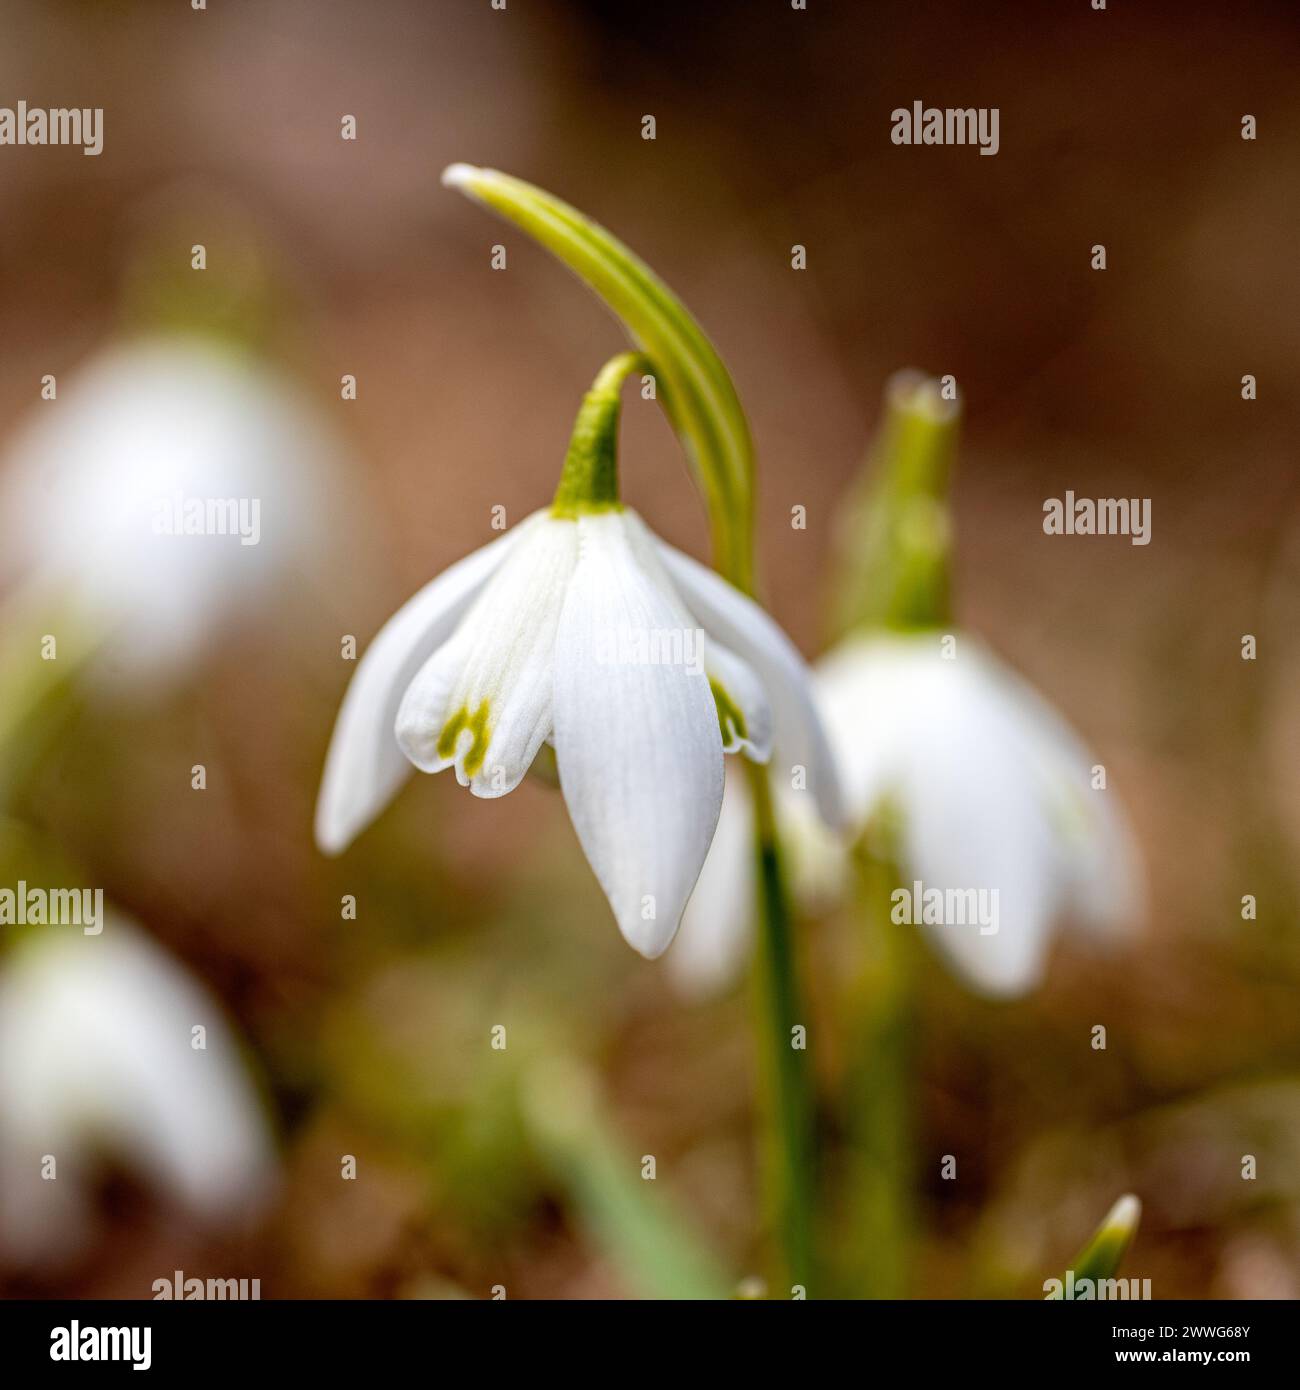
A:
<point x="877" y="1216"/>
<point x="897" y="579"/>
<point x="589" y="482"/>
<point x="786" y="1097"/>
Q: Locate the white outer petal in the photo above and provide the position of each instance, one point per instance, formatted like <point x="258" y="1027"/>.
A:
<point x="638" y="745"/>
<point x="937" y="736"/>
<point x="982" y="769"/>
<point x="364" y="766"/>
<point x="503" y="653"/>
<point x="717" y="930"/>
<point x="738" y="621"/>
<point x="95" y="1033"/>
<point x="1106" y="881"/>
<point x="731" y="671"/>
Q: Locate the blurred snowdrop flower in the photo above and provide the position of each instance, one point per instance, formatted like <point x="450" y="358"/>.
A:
<point x="992" y="790"/>
<point x="166" y="488"/>
<point x="96" y="1036"/>
<point x="581" y="629"/>
<point x="990" y="787"/>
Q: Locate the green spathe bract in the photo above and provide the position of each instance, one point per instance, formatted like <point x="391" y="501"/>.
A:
<point x="692" y="384"/>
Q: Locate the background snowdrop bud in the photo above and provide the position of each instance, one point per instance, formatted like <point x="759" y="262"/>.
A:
<point x="1104" y="1253"/>
<point x="896" y="540"/>
<point x="168" y="488"/>
<point x="97" y="1034"/>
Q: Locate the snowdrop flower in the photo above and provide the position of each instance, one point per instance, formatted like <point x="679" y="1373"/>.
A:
<point x="162" y="490"/>
<point x="96" y="1035"/>
<point x="581" y="629"/>
<point x="991" y="788"/>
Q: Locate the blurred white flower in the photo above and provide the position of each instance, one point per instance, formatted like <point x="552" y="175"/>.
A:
<point x="95" y="1033"/>
<point x="993" y="790"/>
<point x="140" y="438"/>
<point x="586" y="631"/>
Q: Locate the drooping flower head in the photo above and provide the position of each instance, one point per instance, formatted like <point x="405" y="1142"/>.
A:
<point x="579" y="628"/>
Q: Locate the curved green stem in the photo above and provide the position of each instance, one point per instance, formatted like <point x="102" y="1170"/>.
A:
<point x="693" y="386"/>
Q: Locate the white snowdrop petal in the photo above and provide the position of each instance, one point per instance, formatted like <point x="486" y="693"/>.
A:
<point x="1094" y="838"/>
<point x="945" y="740"/>
<point x="866" y="690"/>
<point x="717" y="932"/>
<point x="731" y="617"/>
<point x="973" y="825"/>
<point x="744" y="712"/>
<point x="365" y="766"/>
<point x="636" y="740"/>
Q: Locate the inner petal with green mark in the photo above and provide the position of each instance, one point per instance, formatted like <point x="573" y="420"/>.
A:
<point x="730" y="718"/>
<point x="482" y="703"/>
<point x="744" y="715"/>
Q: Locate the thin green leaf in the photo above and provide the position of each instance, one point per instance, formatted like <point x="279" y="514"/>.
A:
<point x="647" y="1240"/>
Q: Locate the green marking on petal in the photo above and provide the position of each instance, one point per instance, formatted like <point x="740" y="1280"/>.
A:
<point x="730" y="718"/>
<point x="477" y="724"/>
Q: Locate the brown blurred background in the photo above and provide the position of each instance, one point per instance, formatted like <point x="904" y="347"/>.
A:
<point x="1120" y="127"/>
